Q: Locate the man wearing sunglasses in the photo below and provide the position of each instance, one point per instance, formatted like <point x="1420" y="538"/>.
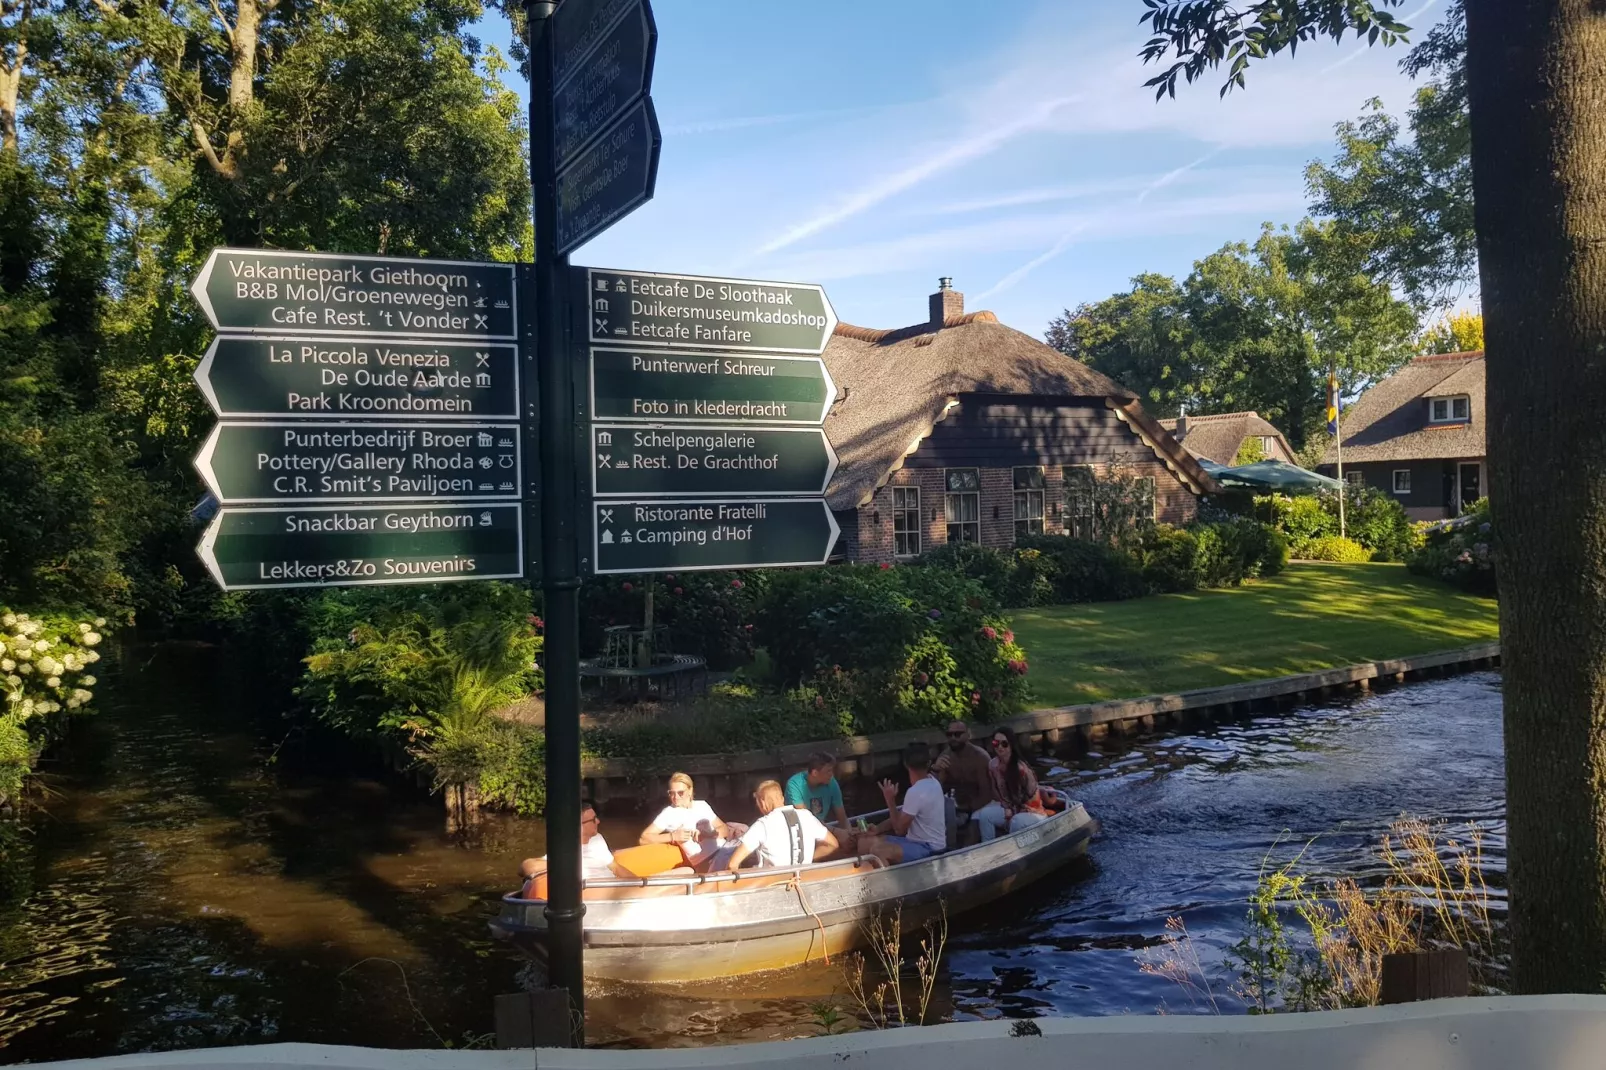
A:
<point x="963" y="768"/>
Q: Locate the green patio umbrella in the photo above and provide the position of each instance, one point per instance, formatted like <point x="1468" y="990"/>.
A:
<point x="1271" y="475"/>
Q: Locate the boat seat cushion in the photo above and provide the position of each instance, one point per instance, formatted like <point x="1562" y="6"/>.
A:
<point x="648" y="859"/>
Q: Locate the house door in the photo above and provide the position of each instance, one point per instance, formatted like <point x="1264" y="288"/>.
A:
<point x="1471" y="480"/>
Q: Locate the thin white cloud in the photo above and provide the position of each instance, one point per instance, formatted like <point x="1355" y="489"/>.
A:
<point x="1068" y="237"/>
<point x="969" y="146"/>
<point x="1363" y="48"/>
<point x="744" y="122"/>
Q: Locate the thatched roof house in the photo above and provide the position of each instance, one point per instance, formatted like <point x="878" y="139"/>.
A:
<point x="1220" y="437"/>
<point x="1008" y="414"/>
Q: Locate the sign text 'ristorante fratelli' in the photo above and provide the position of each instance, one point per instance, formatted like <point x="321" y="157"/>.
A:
<point x="265" y="376"/>
<point x="643" y="308"/>
<point x="636" y="460"/>
<point x="246" y="463"/>
<point x="265" y="290"/>
<point x="338" y="546"/>
<point x="687" y="535"/>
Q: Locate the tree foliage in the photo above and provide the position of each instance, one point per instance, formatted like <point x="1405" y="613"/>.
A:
<point x="1459" y="332"/>
<point x="1254" y="326"/>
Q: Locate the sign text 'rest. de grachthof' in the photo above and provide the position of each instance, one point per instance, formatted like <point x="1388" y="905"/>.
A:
<point x="630" y="459"/>
<point x="655" y="385"/>
<point x="339" y="546"/>
<point x="269" y="291"/>
<point x="663" y="536"/>
<point x="645" y="308"/>
<point x="248" y="463"/>
<point x="360" y="378"/>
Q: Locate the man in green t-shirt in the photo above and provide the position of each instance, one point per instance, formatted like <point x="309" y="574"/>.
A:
<point x="816" y="790"/>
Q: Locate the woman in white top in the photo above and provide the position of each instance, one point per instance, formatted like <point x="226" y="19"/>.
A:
<point x="691" y="823"/>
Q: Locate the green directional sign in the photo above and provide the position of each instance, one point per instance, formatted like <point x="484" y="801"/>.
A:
<point x="665" y="536"/>
<point x="629" y="459"/>
<point x="270" y="291"/>
<point x="643" y="308"/>
<point x="337" y="546"/>
<point x="359" y="378"/>
<point x="309" y="462"/>
<point x="689" y="385"/>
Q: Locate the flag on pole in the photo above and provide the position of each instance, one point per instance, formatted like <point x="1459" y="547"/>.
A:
<point x="1334" y="404"/>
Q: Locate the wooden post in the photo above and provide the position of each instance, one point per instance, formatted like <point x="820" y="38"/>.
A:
<point x="1417" y="975"/>
<point x="533" y="1019"/>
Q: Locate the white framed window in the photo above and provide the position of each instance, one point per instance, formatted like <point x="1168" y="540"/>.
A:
<point x="1028" y="501"/>
<point x="1354" y="478"/>
<point x="1080" y="488"/>
<point x="1402" y="481"/>
<point x="1450" y="410"/>
<point x="906" y="521"/>
<point x="962" y="504"/>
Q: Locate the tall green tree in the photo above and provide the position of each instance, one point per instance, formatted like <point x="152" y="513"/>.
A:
<point x="1254" y="326"/>
<point x="1536" y="91"/>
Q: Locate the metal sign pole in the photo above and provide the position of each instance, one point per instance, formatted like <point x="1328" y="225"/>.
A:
<point x="560" y="546"/>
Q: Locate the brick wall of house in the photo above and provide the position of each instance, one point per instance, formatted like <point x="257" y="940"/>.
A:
<point x="873" y="542"/>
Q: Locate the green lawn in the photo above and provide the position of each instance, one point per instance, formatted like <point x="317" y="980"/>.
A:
<point x="1312" y="616"/>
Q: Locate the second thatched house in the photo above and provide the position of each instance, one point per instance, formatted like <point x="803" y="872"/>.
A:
<point x="1231" y="438"/>
<point x="960" y="429"/>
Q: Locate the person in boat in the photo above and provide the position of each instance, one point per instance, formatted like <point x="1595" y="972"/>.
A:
<point x="692" y="824"/>
<point x="815" y="789"/>
<point x="965" y="770"/>
<point x="783" y="835"/>
<point x="596" y="860"/>
<point x="917" y="829"/>
<point x="1016" y="804"/>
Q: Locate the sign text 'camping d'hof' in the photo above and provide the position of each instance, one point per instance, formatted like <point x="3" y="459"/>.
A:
<point x="664" y="536"/>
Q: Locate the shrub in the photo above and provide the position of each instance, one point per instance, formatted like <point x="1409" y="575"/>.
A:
<point x="706" y="613"/>
<point x="1171" y="559"/>
<point x="893" y="647"/>
<point x="46" y="672"/>
<point x="1334" y="548"/>
<point x="1375" y="520"/>
<point x="1460" y="552"/>
<point x="1083" y="571"/>
<point x="1301" y="519"/>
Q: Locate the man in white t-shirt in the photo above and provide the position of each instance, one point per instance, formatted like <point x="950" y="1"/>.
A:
<point x="689" y="822"/>
<point x="784" y="835"/>
<point x="596" y="860"/>
<point x="919" y="828"/>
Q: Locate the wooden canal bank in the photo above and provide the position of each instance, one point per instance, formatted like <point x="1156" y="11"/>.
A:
<point x="1059" y="730"/>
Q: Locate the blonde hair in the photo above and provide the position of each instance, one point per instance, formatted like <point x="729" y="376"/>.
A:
<point x="767" y="789"/>
<point x="682" y="778"/>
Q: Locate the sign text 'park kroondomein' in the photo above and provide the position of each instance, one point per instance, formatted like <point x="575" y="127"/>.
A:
<point x="359" y="378"/>
<point x="336" y="546"/>
<point x="645" y="308"/>
<point x="266" y="290"/>
<point x="663" y="536"/>
<point x="245" y="463"/>
<point x="690" y="385"/>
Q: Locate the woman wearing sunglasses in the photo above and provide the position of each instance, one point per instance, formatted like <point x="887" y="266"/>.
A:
<point x="1015" y="802"/>
<point x="691" y="823"/>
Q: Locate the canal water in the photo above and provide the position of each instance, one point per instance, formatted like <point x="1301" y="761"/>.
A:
<point x="200" y="883"/>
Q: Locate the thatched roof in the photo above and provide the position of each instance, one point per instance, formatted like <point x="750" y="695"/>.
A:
<point x="1218" y="437"/>
<point x="894" y="385"/>
<point x="1390" y="421"/>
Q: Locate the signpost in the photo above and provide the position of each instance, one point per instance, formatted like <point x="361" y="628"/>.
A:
<point x="644" y="308"/>
<point x="244" y="463"/>
<point x="683" y="536"/>
<point x="642" y="461"/>
<point x="653" y="386"/>
<point x="612" y="80"/>
<point x="611" y="179"/>
<point x="271" y="376"/>
<point x="266" y="290"/>
<point x="320" y="546"/>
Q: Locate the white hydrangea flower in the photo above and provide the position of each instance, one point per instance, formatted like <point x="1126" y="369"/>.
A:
<point x="25" y="668"/>
<point x="92" y="655"/>
<point x="87" y="681"/>
<point x="25" y="652"/>
<point x="48" y="665"/>
<point x="52" y="681"/>
<point x="70" y="662"/>
<point x="81" y="695"/>
<point x="73" y="704"/>
<point x="6" y="665"/>
<point x="14" y="680"/>
<point x="9" y="619"/>
<point x="42" y="645"/>
<point x="91" y="638"/>
<point x="84" y="627"/>
<point x="100" y="622"/>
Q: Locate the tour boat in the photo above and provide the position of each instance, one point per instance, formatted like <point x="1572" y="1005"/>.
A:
<point x="702" y="927"/>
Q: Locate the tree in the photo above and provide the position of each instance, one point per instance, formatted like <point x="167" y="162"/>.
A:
<point x="1409" y="201"/>
<point x="1536" y="92"/>
<point x="1254" y="326"/>
<point x="1459" y="332"/>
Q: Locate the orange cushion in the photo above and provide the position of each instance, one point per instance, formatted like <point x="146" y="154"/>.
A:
<point x="648" y="859"/>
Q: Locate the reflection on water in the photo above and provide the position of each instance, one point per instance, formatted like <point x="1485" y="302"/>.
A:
<point x="192" y="892"/>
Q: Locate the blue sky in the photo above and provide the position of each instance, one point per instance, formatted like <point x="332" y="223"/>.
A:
<point x="875" y="146"/>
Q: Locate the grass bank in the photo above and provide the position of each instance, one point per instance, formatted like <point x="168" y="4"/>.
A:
<point x="1310" y="617"/>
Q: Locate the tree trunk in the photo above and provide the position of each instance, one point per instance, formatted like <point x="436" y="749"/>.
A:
<point x="1537" y="80"/>
<point x="11" y="75"/>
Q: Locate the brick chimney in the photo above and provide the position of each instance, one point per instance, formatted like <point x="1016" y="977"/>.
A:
<point x="947" y="303"/>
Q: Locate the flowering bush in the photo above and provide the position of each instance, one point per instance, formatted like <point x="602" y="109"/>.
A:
<point x="1373" y="519"/>
<point x="893" y="648"/>
<point x="45" y="666"/>
<point x="1460" y="551"/>
<point x="706" y="613"/>
<point x="1335" y="548"/>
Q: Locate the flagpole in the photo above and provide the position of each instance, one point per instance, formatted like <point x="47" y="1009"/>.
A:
<point x="1338" y="443"/>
